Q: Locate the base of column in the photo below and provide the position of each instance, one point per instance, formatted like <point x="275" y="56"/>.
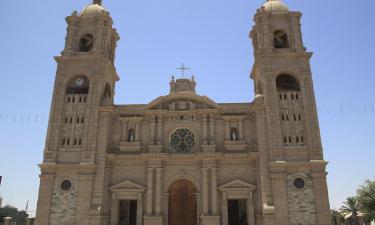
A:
<point x="210" y="220"/>
<point x="153" y="220"/>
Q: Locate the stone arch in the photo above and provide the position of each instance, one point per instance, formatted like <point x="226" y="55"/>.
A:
<point x="280" y="39"/>
<point x="78" y="84"/>
<point x="182" y="175"/>
<point x="287" y="82"/>
<point x="86" y="43"/>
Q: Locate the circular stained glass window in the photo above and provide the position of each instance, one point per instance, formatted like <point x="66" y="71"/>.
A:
<point x="66" y="185"/>
<point x="299" y="183"/>
<point x="182" y="140"/>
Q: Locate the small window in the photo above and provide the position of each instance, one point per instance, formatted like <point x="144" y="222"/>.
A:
<point x="84" y="99"/>
<point x="73" y="99"/>
<point x="82" y="120"/>
<point x="71" y="120"/>
<point x="80" y="141"/>
<point x="63" y="142"/>
<point x="68" y="141"/>
<point x="299" y="117"/>
<point x="281" y="97"/>
<point x="302" y="139"/>
<point x="285" y="97"/>
<point x="280" y="39"/>
<point x="282" y="117"/>
<point x="77" y="120"/>
<point x="66" y="185"/>
<point x="107" y="91"/>
<point x="86" y="43"/>
<point x="297" y="96"/>
<point x="295" y="117"/>
<point x="299" y="183"/>
<point x="68" y="99"/>
<point x="290" y="139"/>
<point x="285" y="140"/>
<point x="286" y="82"/>
<point x="287" y="117"/>
<point x="292" y="96"/>
<point x="66" y="119"/>
<point x="297" y="139"/>
<point x="80" y="99"/>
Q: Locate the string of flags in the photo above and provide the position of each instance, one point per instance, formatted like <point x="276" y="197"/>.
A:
<point x="336" y="111"/>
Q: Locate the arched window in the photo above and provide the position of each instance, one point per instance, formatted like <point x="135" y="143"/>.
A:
<point x="86" y="43"/>
<point x="234" y="134"/>
<point x="131" y="135"/>
<point x="287" y="83"/>
<point x="107" y="91"/>
<point x="280" y="39"/>
<point x="79" y="85"/>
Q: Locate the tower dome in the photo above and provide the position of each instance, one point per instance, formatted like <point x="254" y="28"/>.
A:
<point x="275" y="6"/>
<point x="93" y="10"/>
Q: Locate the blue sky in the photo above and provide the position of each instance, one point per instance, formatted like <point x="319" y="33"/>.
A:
<point x="211" y="37"/>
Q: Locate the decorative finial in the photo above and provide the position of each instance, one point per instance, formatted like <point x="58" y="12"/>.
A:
<point x="172" y="77"/>
<point x="98" y="2"/>
<point x="193" y="77"/>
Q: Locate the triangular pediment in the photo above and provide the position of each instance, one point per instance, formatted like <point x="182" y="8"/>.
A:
<point x="237" y="184"/>
<point x="127" y="185"/>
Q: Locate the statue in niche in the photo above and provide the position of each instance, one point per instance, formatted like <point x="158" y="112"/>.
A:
<point x="234" y="135"/>
<point x="131" y="135"/>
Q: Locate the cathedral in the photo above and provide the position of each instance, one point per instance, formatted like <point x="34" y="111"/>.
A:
<point x="183" y="159"/>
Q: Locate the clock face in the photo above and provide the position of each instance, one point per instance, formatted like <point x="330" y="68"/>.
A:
<point x="79" y="82"/>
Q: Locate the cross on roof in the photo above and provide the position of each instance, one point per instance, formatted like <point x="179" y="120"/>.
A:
<point x="98" y="2"/>
<point x="183" y="69"/>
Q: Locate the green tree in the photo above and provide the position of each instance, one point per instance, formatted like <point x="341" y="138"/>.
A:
<point x="351" y="207"/>
<point x="366" y="198"/>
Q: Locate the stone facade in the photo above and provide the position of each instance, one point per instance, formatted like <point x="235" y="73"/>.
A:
<point x="256" y="163"/>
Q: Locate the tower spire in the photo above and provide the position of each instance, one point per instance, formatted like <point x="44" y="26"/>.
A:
<point x="98" y="2"/>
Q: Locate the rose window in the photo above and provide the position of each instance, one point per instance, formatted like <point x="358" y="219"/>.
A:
<point x="182" y="140"/>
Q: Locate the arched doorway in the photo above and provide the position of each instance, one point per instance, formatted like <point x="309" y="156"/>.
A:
<point x="182" y="204"/>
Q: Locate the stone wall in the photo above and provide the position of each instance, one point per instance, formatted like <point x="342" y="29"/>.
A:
<point x="64" y="203"/>
<point x="301" y="201"/>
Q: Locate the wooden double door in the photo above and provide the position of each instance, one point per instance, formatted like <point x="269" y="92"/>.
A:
<point x="182" y="206"/>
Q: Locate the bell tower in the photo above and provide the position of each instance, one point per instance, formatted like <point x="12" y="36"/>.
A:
<point x="80" y="117"/>
<point x="287" y="121"/>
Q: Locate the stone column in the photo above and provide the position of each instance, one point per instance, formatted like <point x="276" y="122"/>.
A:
<point x="160" y="130"/>
<point x="321" y="198"/>
<point x="251" y="209"/>
<point x="150" y="187"/>
<point x="137" y="131"/>
<point x="7" y="220"/>
<point x="45" y="199"/>
<point x="240" y="130"/>
<point x="125" y="130"/>
<point x="158" y="191"/>
<point x="115" y="210"/>
<point x="227" y="130"/>
<point x="152" y="131"/>
<point x="212" y="129"/>
<point x="139" y="210"/>
<point x="205" y="191"/>
<point x="214" y="190"/>
<point x="204" y="129"/>
<point x="83" y="198"/>
<point x="224" y="210"/>
<point x="280" y="197"/>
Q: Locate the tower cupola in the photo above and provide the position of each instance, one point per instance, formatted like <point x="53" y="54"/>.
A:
<point x="275" y="6"/>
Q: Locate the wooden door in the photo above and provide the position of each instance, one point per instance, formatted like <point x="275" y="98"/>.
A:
<point x="182" y="204"/>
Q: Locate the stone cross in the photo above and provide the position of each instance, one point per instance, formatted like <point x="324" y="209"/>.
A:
<point x="98" y="2"/>
<point x="183" y="69"/>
